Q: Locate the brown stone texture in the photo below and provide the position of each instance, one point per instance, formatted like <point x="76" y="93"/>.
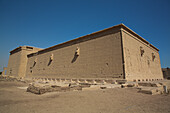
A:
<point x="99" y="57"/>
<point x="18" y="60"/>
<point x="137" y="66"/>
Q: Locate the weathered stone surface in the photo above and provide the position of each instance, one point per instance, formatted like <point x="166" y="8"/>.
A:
<point x="152" y="90"/>
<point x="7" y="78"/>
<point x="12" y="78"/>
<point x="41" y="87"/>
<point x="129" y="84"/>
<point x="121" y="81"/>
<point x="92" y="87"/>
<point x="17" y="63"/>
<point x="84" y="85"/>
<point x="167" y="84"/>
<point x="149" y="84"/>
<point x="110" y="86"/>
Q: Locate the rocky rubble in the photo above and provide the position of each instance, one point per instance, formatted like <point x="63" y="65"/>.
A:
<point x="153" y="88"/>
<point x="7" y="78"/>
<point x="41" y="87"/>
<point x="15" y="79"/>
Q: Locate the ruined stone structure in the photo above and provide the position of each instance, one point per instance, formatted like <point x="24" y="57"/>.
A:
<point x="113" y="53"/>
<point x="166" y="73"/>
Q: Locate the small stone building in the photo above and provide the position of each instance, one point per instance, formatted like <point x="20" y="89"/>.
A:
<point x="113" y="53"/>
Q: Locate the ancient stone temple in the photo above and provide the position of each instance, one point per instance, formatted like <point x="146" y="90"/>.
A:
<point x="113" y="53"/>
<point x="18" y="60"/>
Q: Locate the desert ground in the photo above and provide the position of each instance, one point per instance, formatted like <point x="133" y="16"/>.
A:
<point x="15" y="99"/>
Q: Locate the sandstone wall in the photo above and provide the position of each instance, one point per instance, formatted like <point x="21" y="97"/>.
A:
<point x="13" y="64"/>
<point x="140" y="66"/>
<point x="18" y="60"/>
<point x="100" y="57"/>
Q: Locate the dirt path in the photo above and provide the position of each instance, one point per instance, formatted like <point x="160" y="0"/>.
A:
<point x="126" y="100"/>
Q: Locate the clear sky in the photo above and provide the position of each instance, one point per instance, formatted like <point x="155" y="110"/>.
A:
<point x="44" y="23"/>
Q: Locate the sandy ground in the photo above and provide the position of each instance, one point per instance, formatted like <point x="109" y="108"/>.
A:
<point x="117" y="100"/>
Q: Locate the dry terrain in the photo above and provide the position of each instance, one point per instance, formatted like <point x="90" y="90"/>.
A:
<point x="15" y="99"/>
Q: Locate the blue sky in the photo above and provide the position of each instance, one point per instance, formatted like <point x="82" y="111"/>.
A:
<point x="44" y="23"/>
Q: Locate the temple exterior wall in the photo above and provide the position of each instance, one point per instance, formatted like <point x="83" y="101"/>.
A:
<point x="140" y="66"/>
<point x="13" y="64"/>
<point x="113" y="53"/>
<point x="99" y="56"/>
<point x="18" y="60"/>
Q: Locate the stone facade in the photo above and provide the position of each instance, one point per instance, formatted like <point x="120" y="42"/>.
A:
<point x="113" y="53"/>
<point x="18" y="60"/>
<point x="142" y="61"/>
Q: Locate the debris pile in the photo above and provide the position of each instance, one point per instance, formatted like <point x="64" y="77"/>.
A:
<point x="41" y="88"/>
<point x="152" y="88"/>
